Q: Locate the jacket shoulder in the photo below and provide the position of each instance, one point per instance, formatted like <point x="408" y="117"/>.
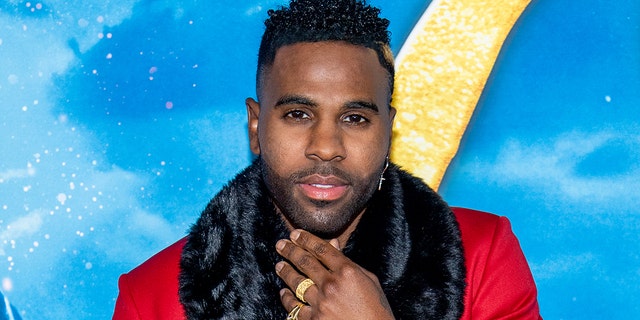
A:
<point x="499" y="281"/>
<point x="476" y="224"/>
<point x="163" y="262"/>
<point x="150" y="291"/>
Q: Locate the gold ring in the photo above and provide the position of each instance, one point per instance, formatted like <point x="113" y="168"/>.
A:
<point x="302" y="288"/>
<point x="293" y="315"/>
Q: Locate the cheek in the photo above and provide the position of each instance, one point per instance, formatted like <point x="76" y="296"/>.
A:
<point x="369" y="154"/>
<point x="280" y="148"/>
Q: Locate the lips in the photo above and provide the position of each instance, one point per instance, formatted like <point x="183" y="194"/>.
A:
<point x="323" y="188"/>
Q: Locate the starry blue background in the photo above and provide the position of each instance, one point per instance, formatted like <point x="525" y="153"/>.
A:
<point x="120" y="119"/>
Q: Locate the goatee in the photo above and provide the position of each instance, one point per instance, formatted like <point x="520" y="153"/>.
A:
<point x="326" y="219"/>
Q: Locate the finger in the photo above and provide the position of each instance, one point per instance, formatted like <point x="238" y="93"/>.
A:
<point x="335" y="243"/>
<point x="289" y="301"/>
<point x="293" y="280"/>
<point x="302" y="259"/>
<point x="324" y="252"/>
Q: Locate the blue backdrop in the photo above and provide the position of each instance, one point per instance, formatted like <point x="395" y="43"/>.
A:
<point x="120" y="119"/>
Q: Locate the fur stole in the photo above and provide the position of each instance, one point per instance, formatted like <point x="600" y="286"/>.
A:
<point x="408" y="237"/>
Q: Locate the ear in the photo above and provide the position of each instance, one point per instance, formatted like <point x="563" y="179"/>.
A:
<point x="253" y="113"/>
<point x="392" y="115"/>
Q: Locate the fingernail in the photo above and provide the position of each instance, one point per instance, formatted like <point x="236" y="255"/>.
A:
<point x="335" y="243"/>
<point x="279" y="266"/>
<point x="295" y="234"/>
<point x="280" y="245"/>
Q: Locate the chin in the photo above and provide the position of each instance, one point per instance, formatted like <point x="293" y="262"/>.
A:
<point x="326" y="233"/>
<point x="324" y="224"/>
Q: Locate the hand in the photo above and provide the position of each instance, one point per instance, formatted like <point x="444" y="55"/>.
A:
<point x="342" y="290"/>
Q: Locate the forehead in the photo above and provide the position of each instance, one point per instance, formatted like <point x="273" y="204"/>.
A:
<point x="333" y="63"/>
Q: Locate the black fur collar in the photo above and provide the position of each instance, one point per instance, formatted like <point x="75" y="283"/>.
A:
<point x="408" y="237"/>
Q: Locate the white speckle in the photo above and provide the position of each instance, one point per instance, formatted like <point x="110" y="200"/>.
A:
<point x="24" y="108"/>
<point x="254" y="10"/>
<point x="109" y="56"/>
<point x="607" y="98"/>
<point x="61" y="198"/>
<point x="12" y="78"/>
<point x="100" y="19"/>
<point x="83" y="23"/>
<point x="7" y="284"/>
<point x="88" y="265"/>
<point x="36" y="244"/>
<point x="26" y="188"/>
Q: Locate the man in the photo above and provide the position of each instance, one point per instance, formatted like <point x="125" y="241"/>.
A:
<point x="321" y="225"/>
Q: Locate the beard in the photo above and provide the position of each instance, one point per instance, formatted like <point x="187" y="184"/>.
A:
<point x="326" y="219"/>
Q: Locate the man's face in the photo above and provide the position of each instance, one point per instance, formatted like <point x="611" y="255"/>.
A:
<point x="322" y="130"/>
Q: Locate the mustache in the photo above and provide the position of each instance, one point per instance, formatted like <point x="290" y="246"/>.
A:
<point x="323" y="170"/>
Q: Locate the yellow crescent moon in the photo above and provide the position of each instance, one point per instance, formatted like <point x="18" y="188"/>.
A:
<point x="440" y="73"/>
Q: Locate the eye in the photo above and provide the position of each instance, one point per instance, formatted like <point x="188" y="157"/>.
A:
<point x="296" y="115"/>
<point x="355" y="119"/>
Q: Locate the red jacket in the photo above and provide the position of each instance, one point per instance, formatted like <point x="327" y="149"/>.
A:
<point x="499" y="282"/>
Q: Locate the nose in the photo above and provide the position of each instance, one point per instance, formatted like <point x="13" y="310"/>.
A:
<point x="326" y="142"/>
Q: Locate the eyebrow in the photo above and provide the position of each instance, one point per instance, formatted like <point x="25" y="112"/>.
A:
<point x="301" y="100"/>
<point x="295" y="99"/>
<point x="363" y="105"/>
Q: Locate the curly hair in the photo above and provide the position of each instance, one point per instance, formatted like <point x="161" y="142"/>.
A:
<point x="352" y="21"/>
